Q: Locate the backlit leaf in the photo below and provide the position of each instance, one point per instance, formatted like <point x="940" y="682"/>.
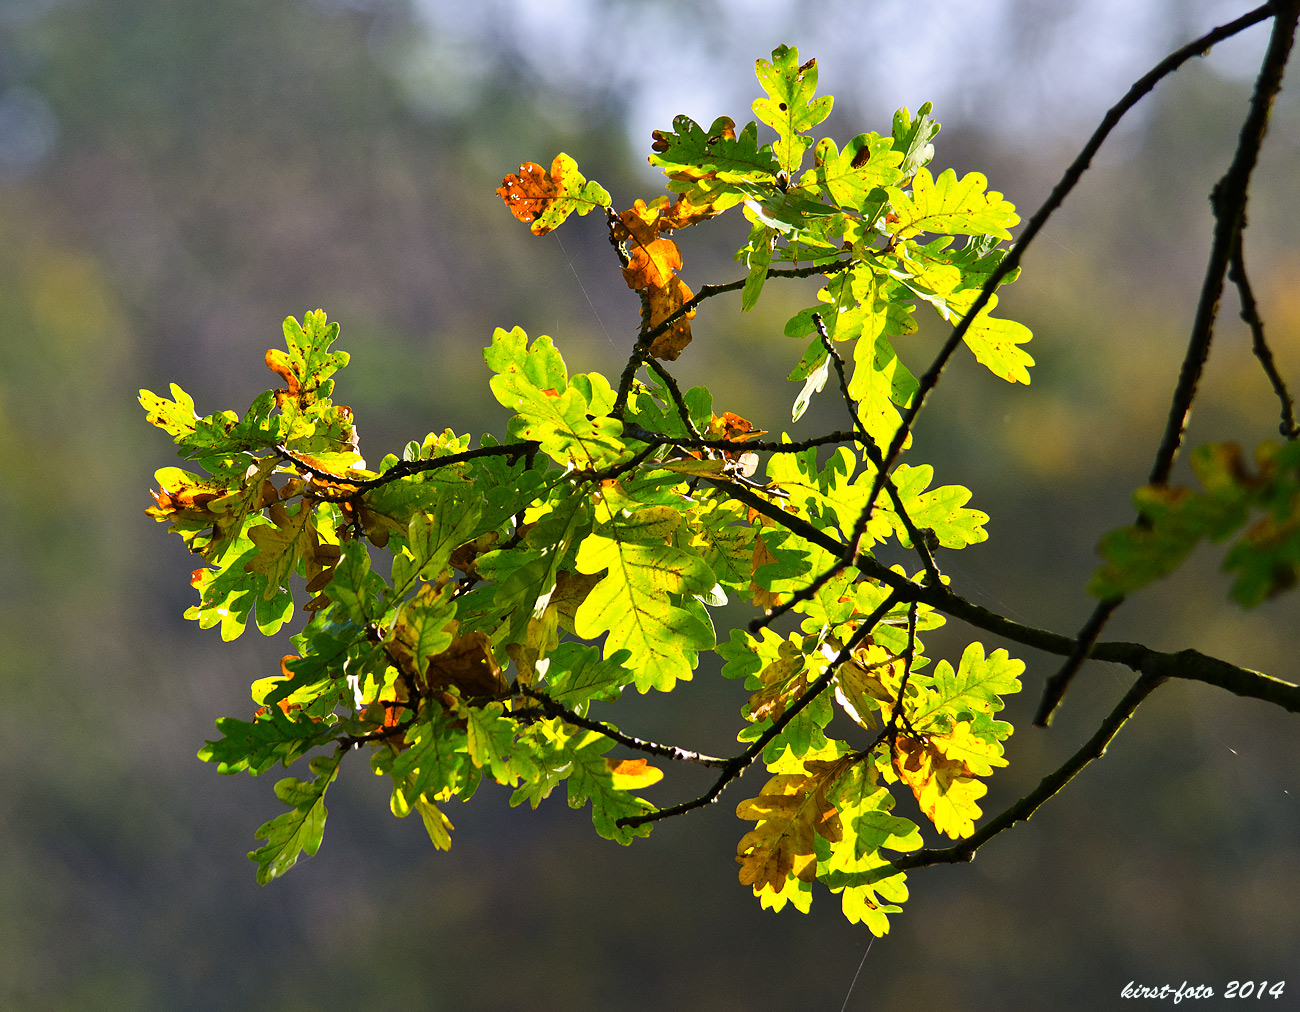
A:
<point x="300" y="830"/>
<point x="951" y="206"/>
<point x="790" y="108"/>
<point x="546" y="198"/>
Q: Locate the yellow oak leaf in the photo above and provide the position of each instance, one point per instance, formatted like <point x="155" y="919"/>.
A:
<point x="941" y="770"/>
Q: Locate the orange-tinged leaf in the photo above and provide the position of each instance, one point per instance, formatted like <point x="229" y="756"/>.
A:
<point x="730" y="425"/>
<point x="653" y="261"/>
<point x="279" y="363"/>
<point x="184" y="496"/>
<point x="685" y="213"/>
<point x="663" y="303"/>
<point x="545" y="199"/>
<point x="529" y="193"/>
<point x="941" y="771"/>
<point x="633" y="774"/>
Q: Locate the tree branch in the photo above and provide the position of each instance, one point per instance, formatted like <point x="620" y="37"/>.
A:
<point x="1071" y="177"/>
<point x="1229" y="202"/>
<point x="873" y="454"/>
<point x="1190" y="665"/>
<point x="406" y="468"/>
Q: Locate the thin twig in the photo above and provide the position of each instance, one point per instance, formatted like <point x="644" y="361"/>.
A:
<point x="918" y="540"/>
<point x="406" y="468"/>
<point x="641" y="351"/>
<point x="552" y="707"/>
<point x="683" y="412"/>
<point x="930" y="378"/>
<point x="1250" y="313"/>
<point x="1071" y="177"/>
<point x="1055" y="687"/>
<point x="736" y="445"/>
<point x="1188" y="665"/>
<point x="1229" y="203"/>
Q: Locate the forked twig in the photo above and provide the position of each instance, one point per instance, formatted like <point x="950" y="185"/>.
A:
<point x="1229" y="203"/>
<point x="1250" y="313"/>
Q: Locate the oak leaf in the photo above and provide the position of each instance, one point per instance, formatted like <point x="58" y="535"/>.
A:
<point x="468" y="665"/>
<point x="664" y="302"/>
<point x="791" y="812"/>
<point x="545" y="199"/>
<point x="941" y="770"/>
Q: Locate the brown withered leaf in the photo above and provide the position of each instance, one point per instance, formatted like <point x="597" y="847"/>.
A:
<point x="653" y="262"/>
<point x="730" y="425"/>
<point x="465" y="557"/>
<point x="468" y="665"/>
<point x="529" y="193"/>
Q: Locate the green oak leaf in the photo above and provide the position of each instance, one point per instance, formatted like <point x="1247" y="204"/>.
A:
<point x="707" y="165"/>
<point x="1266" y="558"/>
<point x="912" y="138"/>
<point x="308" y="363"/>
<point x="255" y="746"/>
<point x="176" y="417"/>
<point x="790" y="108"/>
<point x="577" y="674"/>
<point x="569" y="418"/>
<point x="633" y="605"/>
<point x="977" y="686"/>
<point x="849" y="177"/>
<point x="298" y="831"/>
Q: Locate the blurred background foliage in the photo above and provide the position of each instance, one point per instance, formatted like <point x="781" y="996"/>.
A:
<point x="177" y="178"/>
